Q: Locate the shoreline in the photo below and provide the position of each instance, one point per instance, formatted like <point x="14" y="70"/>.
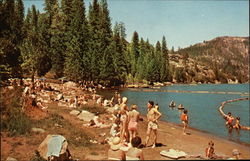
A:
<point x="170" y="135"/>
<point x="198" y="130"/>
<point x="203" y="132"/>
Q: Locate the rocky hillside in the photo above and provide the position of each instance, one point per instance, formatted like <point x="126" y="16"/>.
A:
<point x="223" y="59"/>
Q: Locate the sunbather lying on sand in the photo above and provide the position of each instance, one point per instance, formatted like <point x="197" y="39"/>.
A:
<point x="95" y="122"/>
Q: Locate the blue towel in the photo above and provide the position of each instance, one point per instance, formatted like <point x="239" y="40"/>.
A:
<point x="55" y="145"/>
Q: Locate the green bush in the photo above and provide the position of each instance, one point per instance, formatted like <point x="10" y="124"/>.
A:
<point x="14" y="120"/>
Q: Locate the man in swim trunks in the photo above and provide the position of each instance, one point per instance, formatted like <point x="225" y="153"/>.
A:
<point x="229" y="122"/>
<point x="152" y="116"/>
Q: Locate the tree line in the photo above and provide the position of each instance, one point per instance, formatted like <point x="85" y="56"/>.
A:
<point x="71" y="43"/>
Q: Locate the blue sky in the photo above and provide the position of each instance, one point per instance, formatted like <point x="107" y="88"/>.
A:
<point x="182" y="22"/>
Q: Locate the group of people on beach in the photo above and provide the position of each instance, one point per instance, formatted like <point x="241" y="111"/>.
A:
<point x="126" y="125"/>
<point x="126" y="143"/>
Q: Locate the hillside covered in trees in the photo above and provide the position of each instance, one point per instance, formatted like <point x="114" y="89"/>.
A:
<point x="225" y="59"/>
<point x="69" y="42"/>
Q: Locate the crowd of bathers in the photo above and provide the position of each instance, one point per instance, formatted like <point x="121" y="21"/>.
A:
<point x="125" y="143"/>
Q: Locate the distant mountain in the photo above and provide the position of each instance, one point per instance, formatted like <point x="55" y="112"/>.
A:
<point x="223" y="59"/>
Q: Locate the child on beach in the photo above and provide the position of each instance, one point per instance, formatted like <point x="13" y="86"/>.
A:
<point x="184" y="119"/>
<point x="210" y="150"/>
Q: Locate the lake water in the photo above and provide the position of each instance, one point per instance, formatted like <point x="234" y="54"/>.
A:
<point x="202" y="102"/>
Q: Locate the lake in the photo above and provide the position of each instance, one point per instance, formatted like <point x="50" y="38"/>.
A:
<point x="202" y="102"/>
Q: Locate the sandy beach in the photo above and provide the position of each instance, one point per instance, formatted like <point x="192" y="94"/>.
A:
<point x="169" y="137"/>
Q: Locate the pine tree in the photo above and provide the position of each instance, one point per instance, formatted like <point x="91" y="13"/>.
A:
<point x="120" y="63"/>
<point x="57" y="41"/>
<point x="95" y="44"/>
<point x="66" y="8"/>
<point x="9" y="55"/>
<point x="134" y="53"/>
<point x="34" y="21"/>
<point x="165" y="61"/>
<point x="49" y="4"/>
<point x="108" y="50"/>
<point x="19" y="21"/>
<point x="77" y="55"/>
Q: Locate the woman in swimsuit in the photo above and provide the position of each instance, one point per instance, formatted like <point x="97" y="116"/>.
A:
<point x="134" y="153"/>
<point x="133" y="117"/>
<point x="123" y="125"/>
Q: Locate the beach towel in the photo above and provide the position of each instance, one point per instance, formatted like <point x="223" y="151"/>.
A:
<point x="173" y="154"/>
<point x="54" y="145"/>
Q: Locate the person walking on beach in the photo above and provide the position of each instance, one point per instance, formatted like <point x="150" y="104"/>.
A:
<point x="152" y="116"/>
<point x="184" y="120"/>
<point x="133" y="118"/>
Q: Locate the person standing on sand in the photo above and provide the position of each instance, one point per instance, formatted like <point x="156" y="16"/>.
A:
<point x="133" y="118"/>
<point x="124" y="107"/>
<point x="184" y="120"/>
<point x="123" y="126"/>
<point x="152" y="116"/>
